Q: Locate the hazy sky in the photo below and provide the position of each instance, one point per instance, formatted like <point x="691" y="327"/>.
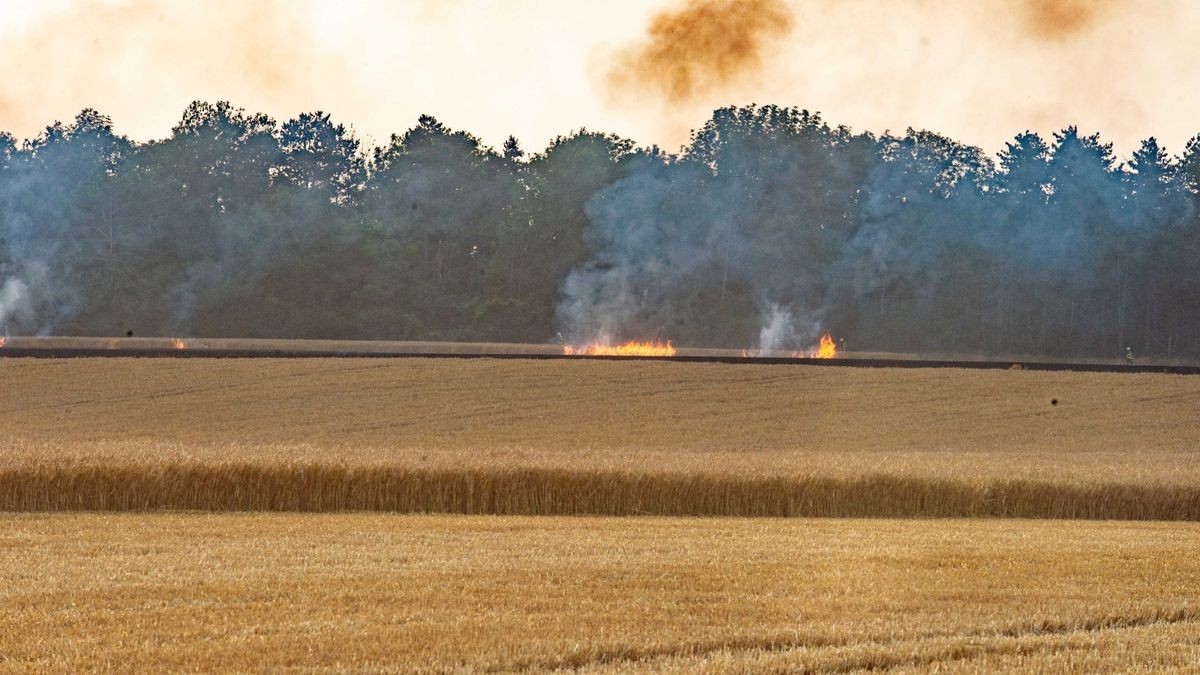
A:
<point x="980" y="71"/>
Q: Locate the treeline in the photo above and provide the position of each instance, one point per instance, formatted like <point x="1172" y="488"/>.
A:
<point x="767" y="228"/>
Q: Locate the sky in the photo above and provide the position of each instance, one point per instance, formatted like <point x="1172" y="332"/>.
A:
<point x="980" y="71"/>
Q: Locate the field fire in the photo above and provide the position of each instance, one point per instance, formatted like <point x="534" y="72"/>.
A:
<point x="386" y="368"/>
<point x="827" y="349"/>
<point x="631" y="348"/>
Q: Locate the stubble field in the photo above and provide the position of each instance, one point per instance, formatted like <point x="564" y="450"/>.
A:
<point x="374" y="592"/>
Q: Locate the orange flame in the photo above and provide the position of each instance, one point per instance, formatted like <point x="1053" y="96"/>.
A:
<point x="178" y="344"/>
<point x="632" y="348"/>
<point x="827" y="348"/>
<point x="3" y="340"/>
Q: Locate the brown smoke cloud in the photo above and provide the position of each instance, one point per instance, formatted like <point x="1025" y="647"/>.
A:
<point x="700" y="48"/>
<point x="1060" y="19"/>
<point x="979" y="70"/>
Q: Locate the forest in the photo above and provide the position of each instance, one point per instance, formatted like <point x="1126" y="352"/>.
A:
<point x="769" y="227"/>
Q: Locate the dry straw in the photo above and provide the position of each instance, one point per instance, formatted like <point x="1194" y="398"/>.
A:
<point x="318" y="487"/>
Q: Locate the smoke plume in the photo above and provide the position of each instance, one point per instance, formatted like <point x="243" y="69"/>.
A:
<point x="648" y="69"/>
<point x="31" y="301"/>
<point x="700" y="48"/>
<point x="13" y="302"/>
<point x="773" y="227"/>
<point x="698" y="257"/>
<point x="782" y="331"/>
<point x="1061" y="19"/>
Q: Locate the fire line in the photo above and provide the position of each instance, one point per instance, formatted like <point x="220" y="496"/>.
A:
<point x="632" y="348"/>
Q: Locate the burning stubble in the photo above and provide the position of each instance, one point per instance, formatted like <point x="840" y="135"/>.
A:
<point x="700" y="49"/>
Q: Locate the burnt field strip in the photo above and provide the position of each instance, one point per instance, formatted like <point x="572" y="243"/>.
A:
<point x="583" y="437"/>
<point x="220" y="348"/>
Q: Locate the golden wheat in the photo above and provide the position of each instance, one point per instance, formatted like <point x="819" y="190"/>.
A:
<point x="527" y="437"/>
<point x="371" y="592"/>
<point x="518" y="491"/>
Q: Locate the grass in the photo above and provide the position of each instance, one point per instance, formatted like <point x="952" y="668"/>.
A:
<point x="562" y="437"/>
<point x="385" y="592"/>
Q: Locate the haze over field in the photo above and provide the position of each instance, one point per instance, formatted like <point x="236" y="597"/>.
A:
<point x="978" y="71"/>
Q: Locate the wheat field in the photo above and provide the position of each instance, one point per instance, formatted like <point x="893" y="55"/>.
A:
<point x="153" y="517"/>
<point x="380" y="592"/>
<point x="613" y="438"/>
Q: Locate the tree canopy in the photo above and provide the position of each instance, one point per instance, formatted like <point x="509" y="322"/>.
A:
<point x="767" y="228"/>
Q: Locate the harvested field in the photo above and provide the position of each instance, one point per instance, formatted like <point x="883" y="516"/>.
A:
<point x="250" y="592"/>
<point x="564" y="437"/>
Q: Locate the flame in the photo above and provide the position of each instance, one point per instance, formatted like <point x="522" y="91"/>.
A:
<point x="827" y="348"/>
<point x="3" y="340"/>
<point x="178" y="343"/>
<point x="632" y="348"/>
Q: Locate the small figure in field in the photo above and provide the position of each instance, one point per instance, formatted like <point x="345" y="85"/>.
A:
<point x="1129" y="356"/>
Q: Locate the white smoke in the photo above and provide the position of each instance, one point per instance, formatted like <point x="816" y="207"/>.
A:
<point x="597" y="305"/>
<point x="776" y="333"/>
<point x="32" y="303"/>
<point x="784" y="331"/>
<point x="14" y="302"/>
